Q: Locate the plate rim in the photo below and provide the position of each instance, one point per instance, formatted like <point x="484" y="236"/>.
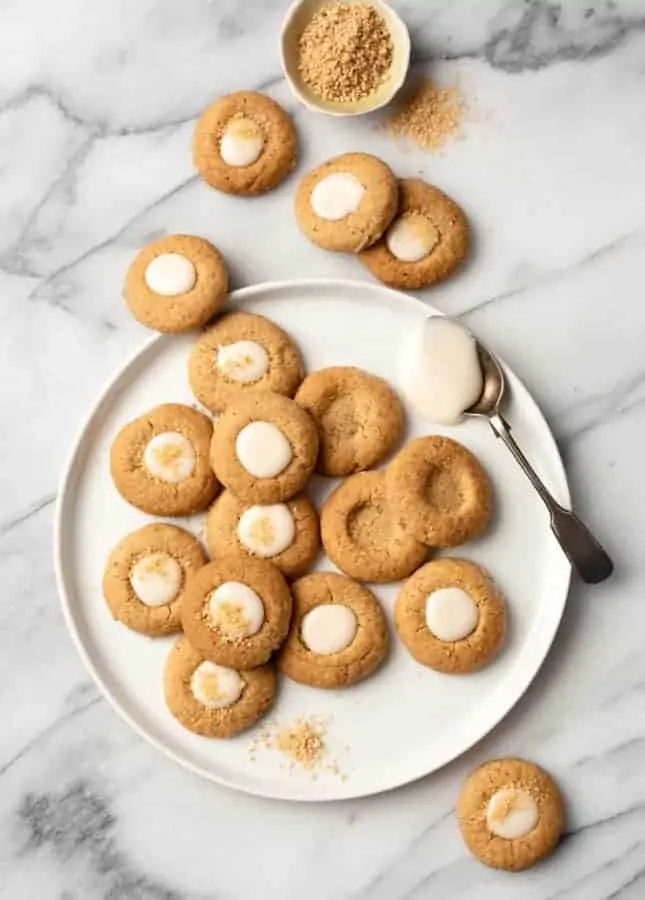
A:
<point x="66" y="492"/>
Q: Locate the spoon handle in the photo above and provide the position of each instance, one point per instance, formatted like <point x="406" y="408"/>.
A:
<point x="583" y="550"/>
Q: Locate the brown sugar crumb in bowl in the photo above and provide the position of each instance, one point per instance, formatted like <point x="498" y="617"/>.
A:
<point x="345" y="52"/>
<point x="428" y="239"/>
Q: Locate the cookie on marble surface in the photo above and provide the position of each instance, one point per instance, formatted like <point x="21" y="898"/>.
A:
<point x="245" y="143"/>
<point x="211" y="700"/>
<point x="347" y="203"/>
<point x="426" y="242"/>
<point x="360" y="536"/>
<point x="264" y="448"/>
<point x="145" y="577"/>
<point x="242" y="352"/>
<point x="287" y="534"/>
<point x="511" y="814"/>
<point x="359" y="418"/>
<point x="439" y="492"/>
<point x="338" y="633"/>
<point x="160" y="461"/>
<point x="236" y="611"/>
<point x="176" y="283"/>
<point x="451" y="616"/>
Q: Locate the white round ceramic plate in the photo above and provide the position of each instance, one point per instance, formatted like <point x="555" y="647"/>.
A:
<point x="403" y="722"/>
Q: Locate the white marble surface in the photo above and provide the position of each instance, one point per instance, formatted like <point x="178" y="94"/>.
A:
<point x="97" y="104"/>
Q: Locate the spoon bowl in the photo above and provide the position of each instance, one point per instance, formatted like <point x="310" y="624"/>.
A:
<point x="493" y="388"/>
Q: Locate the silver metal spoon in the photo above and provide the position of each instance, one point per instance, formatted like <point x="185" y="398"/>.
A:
<point x="586" y="555"/>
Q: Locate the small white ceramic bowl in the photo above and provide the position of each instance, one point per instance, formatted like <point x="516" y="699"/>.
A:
<point x="294" y="24"/>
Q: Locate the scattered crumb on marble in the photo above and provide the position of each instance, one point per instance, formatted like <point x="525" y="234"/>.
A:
<point x="428" y="114"/>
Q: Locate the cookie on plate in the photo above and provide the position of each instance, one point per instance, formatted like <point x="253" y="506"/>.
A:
<point x="359" y="418"/>
<point x="159" y="462"/>
<point x="145" y="577"/>
<point x="360" y="536"/>
<point x="426" y="242"/>
<point x="287" y="534"/>
<point x="242" y="352"/>
<point x="347" y="203"/>
<point x="211" y="700"/>
<point x="264" y="448"/>
<point x="245" y="143"/>
<point x="510" y="813"/>
<point x="176" y="283"/>
<point x="451" y="616"/>
<point x="338" y="633"/>
<point x="438" y="492"/>
<point x="236" y="611"/>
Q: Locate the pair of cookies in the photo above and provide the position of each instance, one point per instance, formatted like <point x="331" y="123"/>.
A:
<point x="244" y="144"/>
<point x="408" y="233"/>
<point x="378" y="526"/>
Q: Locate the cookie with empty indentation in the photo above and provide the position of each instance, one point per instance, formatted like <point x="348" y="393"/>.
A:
<point x="212" y="700"/>
<point x="426" y="242"/>
<point x="245" y="143"/>
<point x="236" y="611"/>
<point x="160" y="461"/>
<point x="511" y="814"/>
<point x="176" y="283"/>
<point x="287" y="533"/>
<point x="360" y="535"/>
<point x="347" y="203"/>
<point x="451" y="616"/>
<point x="146" y="574"/>
<point x="240" y="353"/>
<point x="338" y="633"/>
<point x="439" y="492"/>
<point x="264" y="448"/>
<point x="359" y="418"/>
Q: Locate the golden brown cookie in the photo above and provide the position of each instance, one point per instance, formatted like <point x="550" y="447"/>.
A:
<point x="338" y="633"/>
<point x="511" y="814"/>
<point x="347" y="203"/>
<point x="159" y="462"/>
<point x="359" y="418"/>
<point x="427" y="241"/>
<point x="145" y="577"/>
<point x="245" y="143"/>
<point x="264" y="448"/>
<point x="287" y="534"/>
<point x="236" y="611"/>
<point x="361" y="538"/>
<point x="176" y="283"/>
<point x="439" y="492"/>
<point x="451" y="616"/>
<point x="211" y="700"/>
<point x="242" y="352"/>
